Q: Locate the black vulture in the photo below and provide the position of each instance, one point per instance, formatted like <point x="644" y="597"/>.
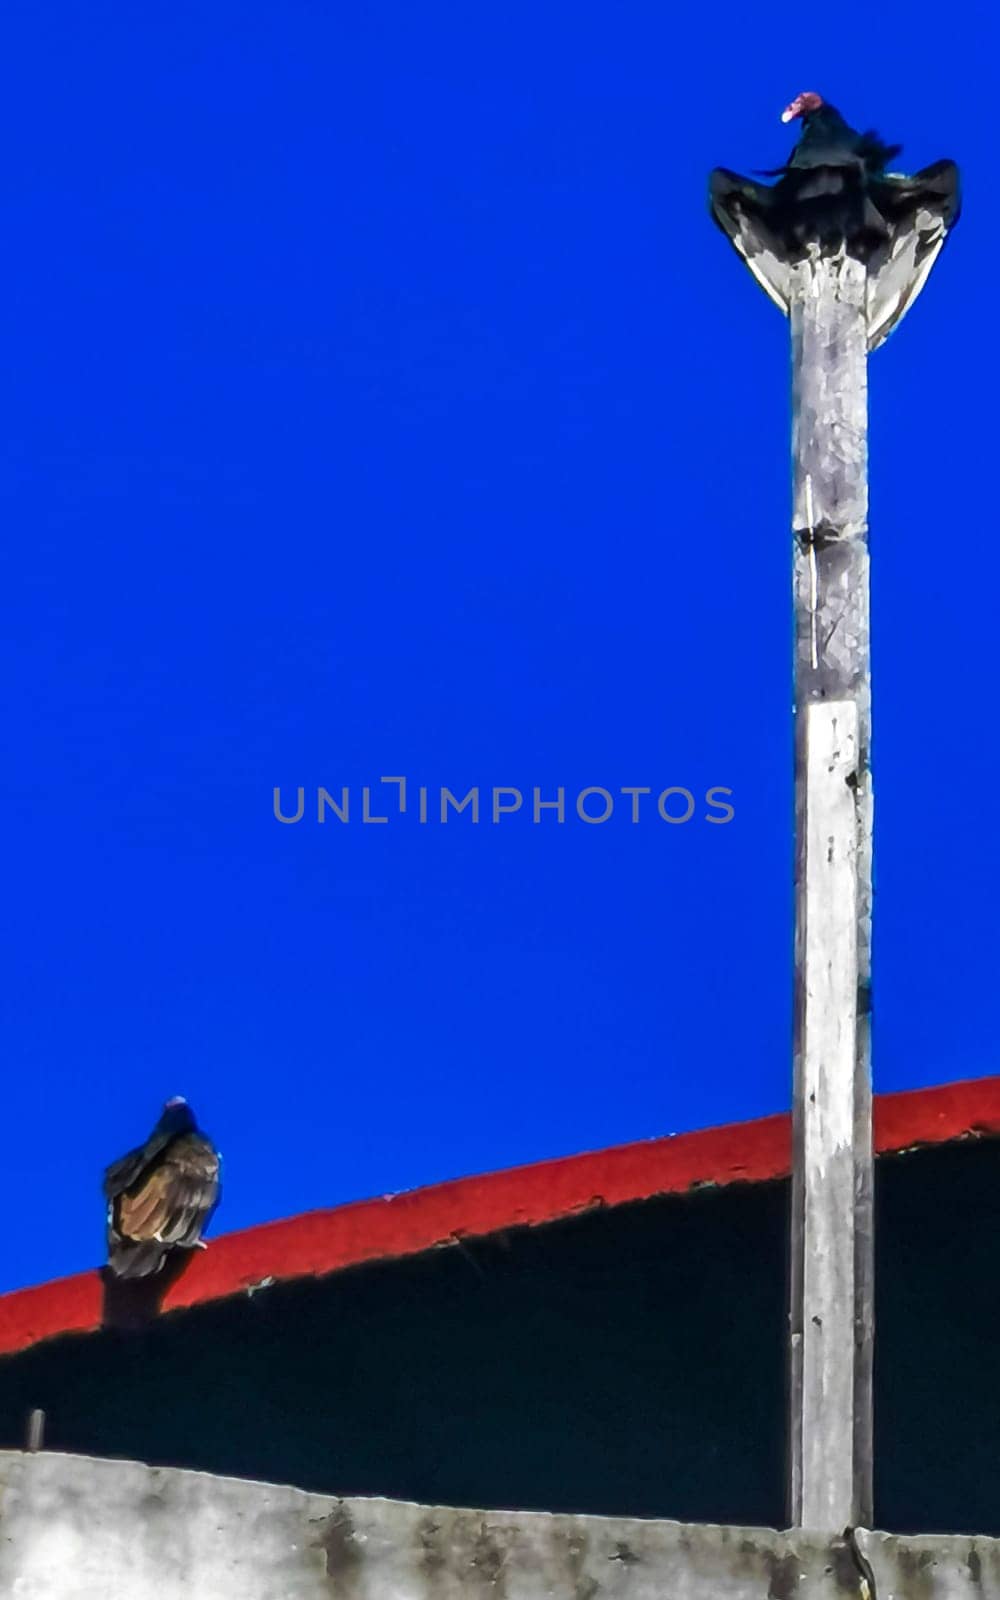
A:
<point x="161" y="1195"/>
<point x="834" y="194"/>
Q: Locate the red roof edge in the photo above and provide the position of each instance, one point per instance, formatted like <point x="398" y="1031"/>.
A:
<point x="320" y="1242"/>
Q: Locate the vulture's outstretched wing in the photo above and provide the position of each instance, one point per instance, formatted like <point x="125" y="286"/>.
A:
<point x="743" y="210"/>
<point x="919" y="212"/>
<point x="167" y="1203"/>
<point x="897" y="226"/>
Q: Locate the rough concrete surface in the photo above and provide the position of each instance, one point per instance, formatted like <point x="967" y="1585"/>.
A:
<point x="73" y="1528"/>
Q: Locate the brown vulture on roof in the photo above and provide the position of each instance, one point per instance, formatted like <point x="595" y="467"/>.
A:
<point x="834" y="193"/>
<point x="161" y="1196"/>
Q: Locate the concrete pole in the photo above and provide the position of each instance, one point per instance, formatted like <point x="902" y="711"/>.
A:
<point x="831" y="1313"/>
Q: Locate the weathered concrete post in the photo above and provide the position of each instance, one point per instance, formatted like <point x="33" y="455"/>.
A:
<point x="841" y="306"/>
<point x="831" y="1313"/>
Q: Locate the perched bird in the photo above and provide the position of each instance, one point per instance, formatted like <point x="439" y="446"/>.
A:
<point x="834" y="194"/>
<point x="161" y="1196"/>
<point x="828" y="141"/>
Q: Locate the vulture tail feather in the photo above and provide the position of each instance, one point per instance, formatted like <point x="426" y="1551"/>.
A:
<point x="128" y="1259"/>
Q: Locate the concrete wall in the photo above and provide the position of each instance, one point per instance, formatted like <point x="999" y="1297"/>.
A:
<point x="73" y="1528"/>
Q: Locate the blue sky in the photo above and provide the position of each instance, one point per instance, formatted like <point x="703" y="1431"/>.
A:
<point x="378" y="399"/>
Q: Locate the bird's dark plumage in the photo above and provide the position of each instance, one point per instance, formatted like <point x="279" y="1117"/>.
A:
<point x="834" y="193"/>
<point x="161" y="1195"/>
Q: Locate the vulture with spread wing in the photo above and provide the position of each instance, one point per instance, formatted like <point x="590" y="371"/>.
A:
<point x="161" y="1196"/>
<point x="835" y="193"/>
